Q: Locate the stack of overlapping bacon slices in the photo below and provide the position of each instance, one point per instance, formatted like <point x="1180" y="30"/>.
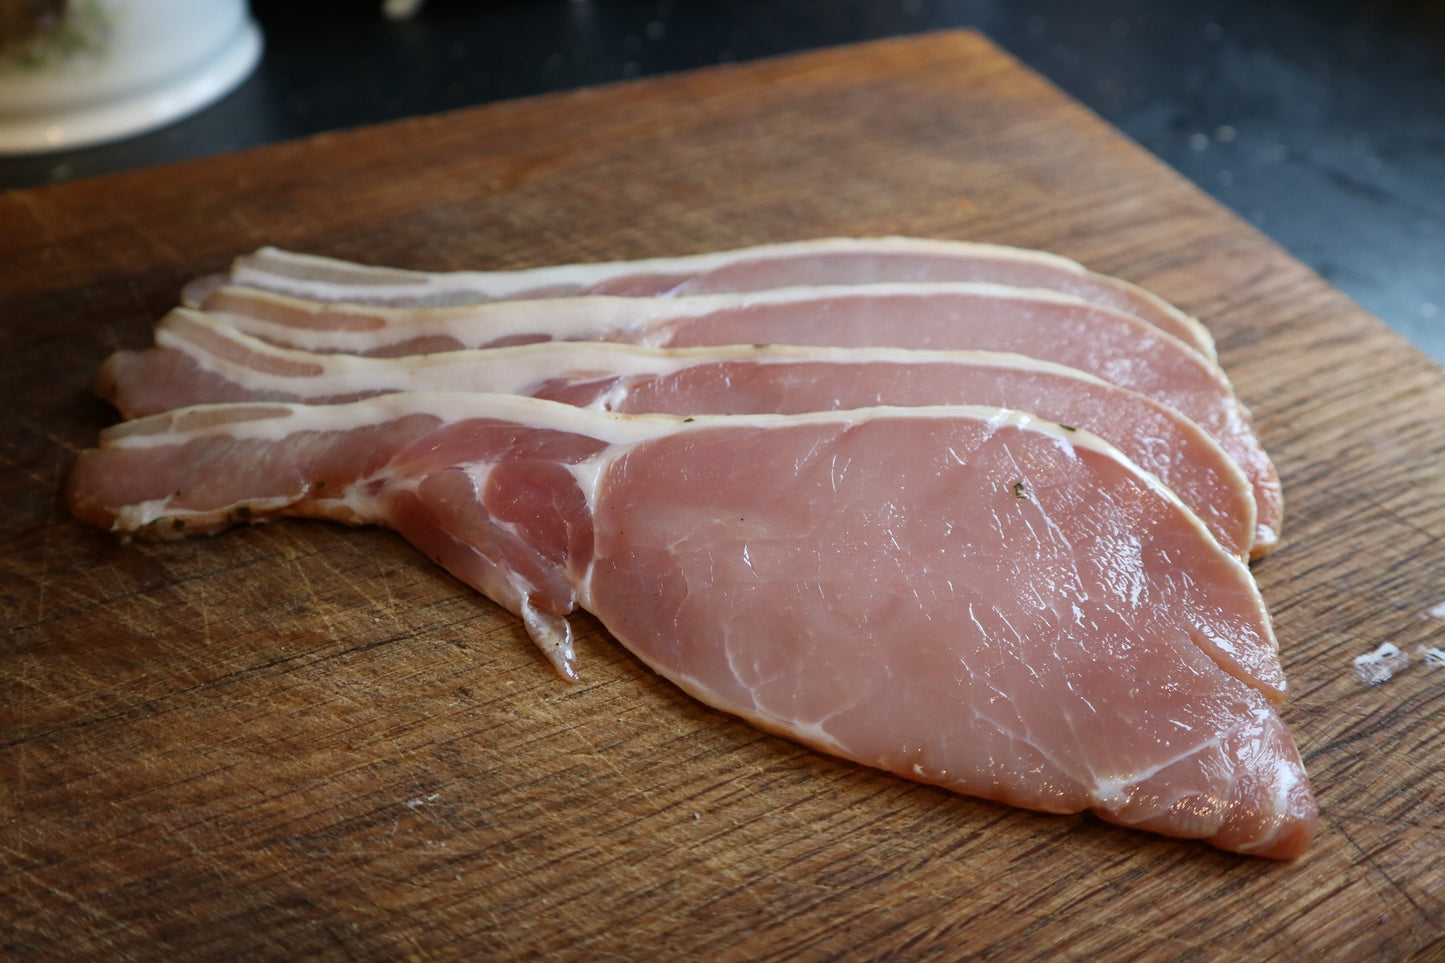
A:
<point x="970" y="514"/>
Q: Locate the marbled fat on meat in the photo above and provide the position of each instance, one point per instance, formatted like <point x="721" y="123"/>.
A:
<point x="826" y="261"/>
<point x="963" y="596"/>
<point x="1110" y="344"/>
<point x="199" y="360"/>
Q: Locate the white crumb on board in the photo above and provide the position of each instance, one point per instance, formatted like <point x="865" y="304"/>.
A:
<point x="1378" y="666"/>
<point x="1435" y="658"/>
<point x="1436" y="612"/>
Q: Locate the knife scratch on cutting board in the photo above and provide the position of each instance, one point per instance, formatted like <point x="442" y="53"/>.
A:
<point x="299" y="562"/>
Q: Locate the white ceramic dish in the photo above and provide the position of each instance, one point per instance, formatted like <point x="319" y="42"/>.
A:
<point x="122" y="67"/>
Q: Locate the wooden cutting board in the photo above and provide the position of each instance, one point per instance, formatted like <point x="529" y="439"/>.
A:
<point x="306" y="740"/>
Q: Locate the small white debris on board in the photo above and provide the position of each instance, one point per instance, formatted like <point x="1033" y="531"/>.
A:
<point x="1434" y="658"/>
<point x="1380" y="665"/>
<point x="1437" y="612"/>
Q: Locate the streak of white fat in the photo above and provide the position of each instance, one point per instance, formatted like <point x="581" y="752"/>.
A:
<point x="1111" y="792"/>
<point x="1203" y="337"/>
<point x="561" y="319"/>
<point x="530" y="364"/>
<point x="509" y="370"/>
<point x="522" y="367"/>
<point x="305" y="339"/>
<point x="266" y="421"/>
<point x="627" y="313"/>
<point x="133" y="518"/>
<point x="304" y="264"/>
<point x="808" y="733"/>
<point x="443" y="287"/>
<point x="1078" y="438"/>
<point x="640" y="428"/>
<point x="275" y="420"/>
<point x="588" y="476"/>
<point x="340" y="373"/>
<point x="1286" y="779"/>
<point x="518" y="368"/>
<point x="579" y="318"/>
<point x="550" y="633"/>
<point x="172" y="332"/>
<point x="1073" y="438"/>
<point x="499" y="285"/>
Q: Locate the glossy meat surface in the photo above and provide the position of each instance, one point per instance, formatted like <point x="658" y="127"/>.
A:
<point x="198" y="360"/>
<point x="1109" y="344"/>
<point x="827" y="261"/>
<point x="963" y="596"/>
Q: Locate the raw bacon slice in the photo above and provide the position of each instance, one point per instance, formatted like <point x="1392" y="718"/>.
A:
<point x="828" y="261"/>
<point x="1109" y="344"/>
<point x="200" y="360"/>
<point x="966" y="597"/>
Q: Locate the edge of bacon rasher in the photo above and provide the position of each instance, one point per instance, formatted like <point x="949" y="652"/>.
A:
<point x="971" y="514"/>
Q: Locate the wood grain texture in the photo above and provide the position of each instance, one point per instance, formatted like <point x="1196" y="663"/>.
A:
<point x="301" y="740"/>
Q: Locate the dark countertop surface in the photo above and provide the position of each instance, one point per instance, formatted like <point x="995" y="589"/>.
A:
<point x="1320" y="121"/>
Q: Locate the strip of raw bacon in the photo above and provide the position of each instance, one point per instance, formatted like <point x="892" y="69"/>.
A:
<point x="959" y="595"/>
<point x="199" y="360"/>
<point x="1110" y="344"/>
<point x="828" y="261"/>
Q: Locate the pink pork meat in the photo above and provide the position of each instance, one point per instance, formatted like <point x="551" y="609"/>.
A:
<point x="827" y="261"/>
<point x="962" y="596"/>
<point x="1108" y="344"/>
<point x="199" y="360"/>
